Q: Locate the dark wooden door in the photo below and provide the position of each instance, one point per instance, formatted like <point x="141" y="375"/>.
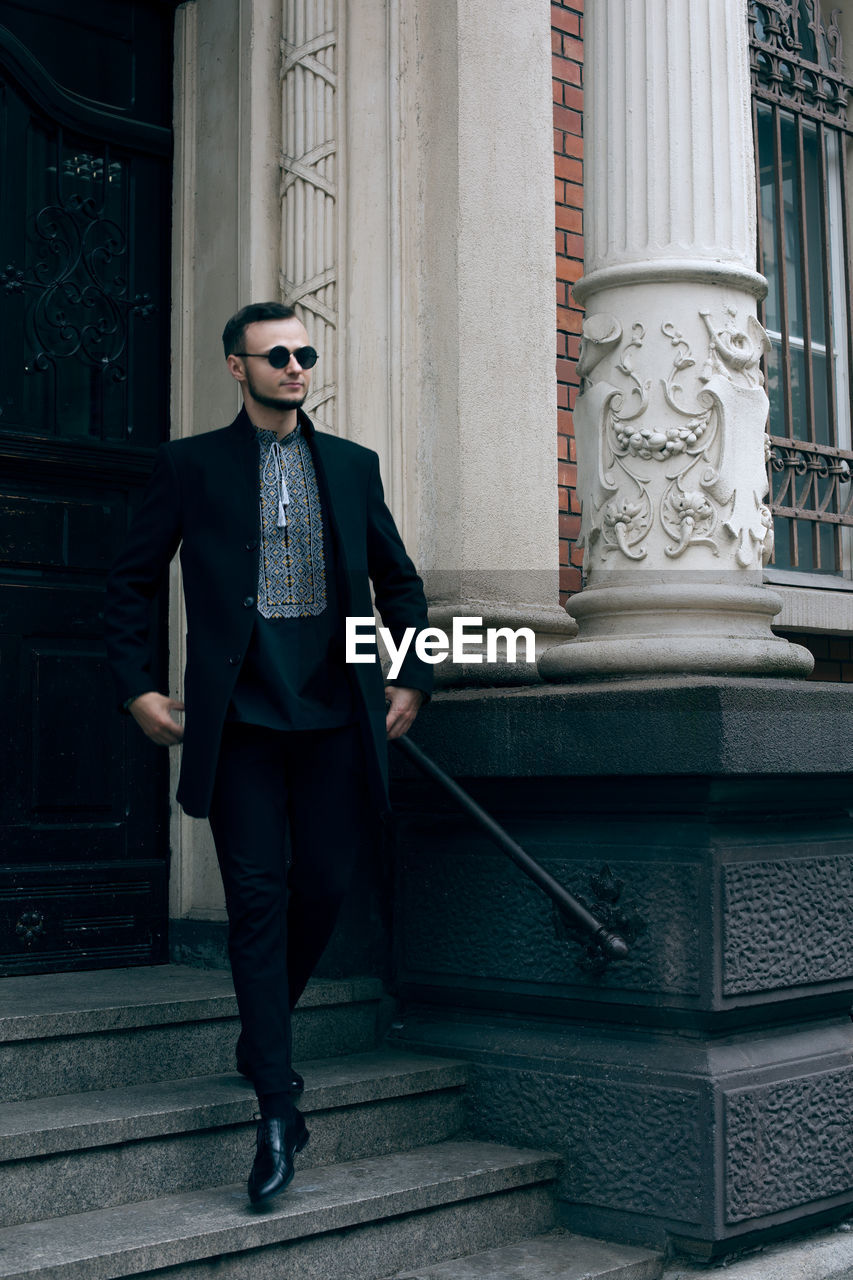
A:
<point x="85" y="161"/>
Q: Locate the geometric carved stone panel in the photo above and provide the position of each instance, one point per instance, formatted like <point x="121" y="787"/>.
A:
<point x="787" y="923"/>
<point x="475" y="915"/>
<point x="788" y="1144"/>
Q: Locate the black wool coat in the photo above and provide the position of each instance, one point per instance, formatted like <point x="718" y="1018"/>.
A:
<point x="203" y="496"/>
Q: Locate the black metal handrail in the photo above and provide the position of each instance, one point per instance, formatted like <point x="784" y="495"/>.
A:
<point x="613" y="944"/>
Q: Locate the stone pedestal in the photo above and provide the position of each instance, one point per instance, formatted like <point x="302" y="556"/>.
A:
<point x="700" y="1089"/>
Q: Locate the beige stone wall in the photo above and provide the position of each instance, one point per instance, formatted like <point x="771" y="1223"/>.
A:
<point x="394" y="176"/>
<point x="226" y="220"/>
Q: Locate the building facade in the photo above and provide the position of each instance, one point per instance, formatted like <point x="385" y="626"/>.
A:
<point x="390" y="168"/>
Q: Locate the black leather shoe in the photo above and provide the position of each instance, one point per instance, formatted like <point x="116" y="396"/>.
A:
<point x="278" y="1142"/>
<point x="297" y="1084"/>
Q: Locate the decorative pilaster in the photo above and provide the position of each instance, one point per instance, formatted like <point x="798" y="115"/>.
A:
<point x="670" y="422"/>
<point x="309" y="186"/>
<point x="477" y="202"/>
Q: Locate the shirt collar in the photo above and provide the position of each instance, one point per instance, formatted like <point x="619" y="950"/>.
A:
<point x="268" y="438"/>
<point x="244" y="425"/>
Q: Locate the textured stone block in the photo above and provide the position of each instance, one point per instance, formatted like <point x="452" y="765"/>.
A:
<point x="466" y="911"/>
<point x="677" y="726"/>
<point x="727" y="879"/>
<point x="697" y="1087"/>
<point x="635" y="1148"/>
<point x="666" y="1134"/>
<point x="787" y="920"/>
<point x="788" y="1143"/>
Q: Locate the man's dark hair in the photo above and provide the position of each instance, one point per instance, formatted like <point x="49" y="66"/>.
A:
<point x="234" y="332"/>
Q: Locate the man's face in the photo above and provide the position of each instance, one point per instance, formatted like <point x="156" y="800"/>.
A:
<point x="274" y="388"/>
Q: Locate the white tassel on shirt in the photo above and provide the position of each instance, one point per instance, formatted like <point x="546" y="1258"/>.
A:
<point x="283" y="495"/>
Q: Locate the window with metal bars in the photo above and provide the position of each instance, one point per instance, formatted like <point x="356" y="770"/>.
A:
<point x="803" y="141"/>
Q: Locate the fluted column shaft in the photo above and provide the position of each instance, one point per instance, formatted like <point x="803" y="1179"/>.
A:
<point x="669" y="170"/>
<point x="670" y="422"/>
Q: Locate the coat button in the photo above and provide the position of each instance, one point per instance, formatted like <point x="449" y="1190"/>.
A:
<point x="248" y="602"/>
<point x="235" y="660"/>
<point x="252" y="544"/>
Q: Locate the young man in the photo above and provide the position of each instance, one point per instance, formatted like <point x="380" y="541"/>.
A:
<point x="282" y="529"/>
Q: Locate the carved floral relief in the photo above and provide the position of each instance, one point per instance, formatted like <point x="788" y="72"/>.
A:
<point x="678" y="454"/>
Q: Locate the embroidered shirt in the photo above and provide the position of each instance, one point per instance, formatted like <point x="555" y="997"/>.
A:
<point x="291" y="564"/>
<point x="294" y="675"/>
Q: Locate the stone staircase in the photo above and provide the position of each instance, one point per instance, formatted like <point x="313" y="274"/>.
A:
<point x="126" y="1138"/>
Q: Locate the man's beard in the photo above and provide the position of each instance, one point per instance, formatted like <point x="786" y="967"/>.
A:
<point x="275" y="402"/>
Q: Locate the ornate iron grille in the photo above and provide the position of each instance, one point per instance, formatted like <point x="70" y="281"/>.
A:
<point x="77" y="277"/>
<point x="82" y="253"/>
<point x="802" y="137"/>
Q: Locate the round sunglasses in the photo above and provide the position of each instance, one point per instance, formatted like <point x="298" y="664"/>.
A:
<point x="279" y="357"/>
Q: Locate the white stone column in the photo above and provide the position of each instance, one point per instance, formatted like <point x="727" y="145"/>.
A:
<point x="670" y="422"/>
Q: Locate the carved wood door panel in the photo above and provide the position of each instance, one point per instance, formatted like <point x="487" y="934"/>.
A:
<point x="85" y="159"/>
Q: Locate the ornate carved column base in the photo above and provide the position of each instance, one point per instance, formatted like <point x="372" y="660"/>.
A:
<point x="674" y="624"/>
<point x="670" y="429"/>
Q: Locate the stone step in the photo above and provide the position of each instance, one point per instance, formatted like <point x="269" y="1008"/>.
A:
<point x="821" y="1255"/>
<point x="558" y="1255"/>
<point x="77" y="1152"/>
<point x="68" y="1032"/>
<point x="364" y="1218"/>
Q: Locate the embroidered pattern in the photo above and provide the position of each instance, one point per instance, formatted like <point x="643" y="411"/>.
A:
<point x="291" y="564"/>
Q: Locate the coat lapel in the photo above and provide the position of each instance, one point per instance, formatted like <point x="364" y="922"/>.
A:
<point x="335" y="480"/>
<point x="242" y="444"/>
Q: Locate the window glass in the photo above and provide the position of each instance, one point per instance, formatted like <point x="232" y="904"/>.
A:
<point x="802" y="138"/>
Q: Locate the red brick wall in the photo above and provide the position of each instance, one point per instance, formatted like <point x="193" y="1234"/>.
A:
<point x="567" y="63"/>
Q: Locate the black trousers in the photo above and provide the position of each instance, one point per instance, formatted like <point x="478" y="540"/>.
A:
<point x="282" y="909"/>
